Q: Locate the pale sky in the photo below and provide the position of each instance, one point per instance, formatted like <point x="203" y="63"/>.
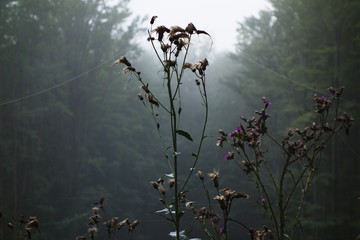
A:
<point x="218" y="18"/>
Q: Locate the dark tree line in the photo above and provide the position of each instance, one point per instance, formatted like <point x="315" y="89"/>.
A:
<point x="63" y="148"/>
<point x="84" y="133"/>
<point x="298" y="49"/>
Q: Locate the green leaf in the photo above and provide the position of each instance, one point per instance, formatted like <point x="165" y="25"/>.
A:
<point x="184" y="134"/>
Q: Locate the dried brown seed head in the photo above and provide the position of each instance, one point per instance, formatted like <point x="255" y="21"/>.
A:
<point x="189" y="204"/>
<point x="152" y="20"/>
<point x="160" y="30"/>
<point x="175" y="29"/>
<point x="214" y="177"/>
<point x="95" y="210"/>
<point x="133" y="225"/>
<point x="171" y="182"/>
<point x="190" y="28"/>
<point x="155" y="185"/>
<point x="200" y="174"/>
<point x="122" y="60"/>
<point x="122" y="223"/>
<point x="161" y="189"/>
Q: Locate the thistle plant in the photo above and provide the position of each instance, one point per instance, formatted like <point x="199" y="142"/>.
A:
<point x="214" y="220"/>
<point x="24" y="227"/>
<point x="283" y="188"/>
<point x="171" y="47"/>
<point x="113" y="225"/>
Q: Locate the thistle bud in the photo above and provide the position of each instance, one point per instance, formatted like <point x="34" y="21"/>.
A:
<point x="200" y="174"/>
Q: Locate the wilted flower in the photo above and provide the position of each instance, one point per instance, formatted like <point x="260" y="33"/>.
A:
<point x="266" y="102"/>
<point x="152" y="20"/>
<point x="171" y="182"/>
<point x="346" y="120"/>
<point x="189" y="204"/>
<point x="95" y="210"/>
<point x="122" y="223"/>
<point x="190" y="28"/>
<point x="322" y="103"/>
<point x="161" y="189"/>
<point x="164" y="47"/>
<point x="133" y="224"/>
<point x="122" y="60"/>
<point x="214" y="177"/>
<point x="175" y="29"/>
<point x="154" y="184"/>
<point x="200" y="174"/>
<point x="160" y="30"/>
<point x="92" y="231"/>
<point x="229" y="155"/>
<point x="221" y="200"/>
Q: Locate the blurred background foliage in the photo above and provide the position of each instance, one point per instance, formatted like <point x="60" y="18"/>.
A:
<point x="72" y="128"/>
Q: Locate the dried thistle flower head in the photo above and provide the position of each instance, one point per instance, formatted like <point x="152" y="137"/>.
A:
<point x="95" y="210"/>
<point x="200" y="174"/>
<point x="122" y="60"/>
<point x="189" y="204"/>
<point x="221" y="200"/>
<point x="190" y="28"/>
<point x="122" y="223"/>
<point x="231" y="194"/>
<point x="203" y="64"/>
<point x="175" y="29"/>
<point x="160" y="30"/>
<point x="164" y="47"/>
<point x="161" y="189"/>
<point x="152" y="20"/>
<point x="171" y="182"/>
<point x="154" y="184"/>
<point x="214" y="177"/>
<point x="32" y="222"/>
<point x="92" y="231"/>
<point x="128" y="69"/>
<point x="133" y="224"/>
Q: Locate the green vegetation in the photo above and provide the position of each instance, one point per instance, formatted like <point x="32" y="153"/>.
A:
<point x="73" y="129"/>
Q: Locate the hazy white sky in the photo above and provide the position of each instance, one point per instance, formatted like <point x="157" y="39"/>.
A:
<point x="219" y="18"/>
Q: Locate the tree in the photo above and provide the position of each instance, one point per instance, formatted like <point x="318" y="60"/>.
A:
<point x="53" y="132"/>
<point x="289" y="53"/>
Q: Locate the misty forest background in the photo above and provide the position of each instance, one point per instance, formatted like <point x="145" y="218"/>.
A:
<point x="72" y="128"/>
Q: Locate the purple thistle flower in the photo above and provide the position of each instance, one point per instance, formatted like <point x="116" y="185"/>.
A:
<point x="229" y="155"/>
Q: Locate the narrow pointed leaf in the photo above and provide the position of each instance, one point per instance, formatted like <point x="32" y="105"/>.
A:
<point x="184" y="134"/>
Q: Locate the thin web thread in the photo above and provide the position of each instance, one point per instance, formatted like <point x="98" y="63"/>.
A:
<point x="60" y="84"/>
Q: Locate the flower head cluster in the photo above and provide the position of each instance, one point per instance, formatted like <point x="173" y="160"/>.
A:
<point x="28" y="224"/>
<point x="261" y="234"/>
<point x="246" y="134"/>
<point x="175" y="38"/>
<point x="346" y="120"/>
<point x="214" y="176"/>
<point x="200" y="67"/>
<point x="322" y="103"/>
<point x="112" y="225"/>
<point x="203" y="214"/>
<point x="228" y="195"/>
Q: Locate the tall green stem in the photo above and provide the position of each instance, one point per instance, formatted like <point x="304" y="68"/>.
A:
<point x="173" y="118"/>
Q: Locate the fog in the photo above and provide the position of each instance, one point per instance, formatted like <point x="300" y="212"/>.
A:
<point x="85" y="135"/>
